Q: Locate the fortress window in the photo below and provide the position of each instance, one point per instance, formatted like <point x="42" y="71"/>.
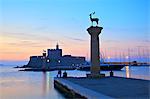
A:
<point x="48" y="61"/>
<point x="59" y="61"/>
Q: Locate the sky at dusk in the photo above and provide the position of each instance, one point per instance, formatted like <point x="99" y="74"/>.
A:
<point x="29" y="26"/>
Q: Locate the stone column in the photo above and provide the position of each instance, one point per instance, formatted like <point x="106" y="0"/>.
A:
<point x="94" y="32"/>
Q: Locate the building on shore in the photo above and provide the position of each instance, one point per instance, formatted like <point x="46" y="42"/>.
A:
<point x="54" y="58"/>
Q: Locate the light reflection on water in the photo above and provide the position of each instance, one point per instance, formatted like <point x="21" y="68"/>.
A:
<point x="27" y="85"/>
<point x="127" y="71"/>
<point x="15" y="84"/>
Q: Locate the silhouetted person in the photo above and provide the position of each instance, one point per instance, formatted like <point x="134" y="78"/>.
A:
<point x="65" y="74"/>
<point x="59" y="73"/>
<point x="111" y="73"/>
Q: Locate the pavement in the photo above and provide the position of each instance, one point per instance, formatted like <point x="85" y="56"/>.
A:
<point x="109" y="87"/>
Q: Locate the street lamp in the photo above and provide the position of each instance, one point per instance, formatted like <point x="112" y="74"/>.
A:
<point x="108" y="59"/>
<point x="111" y="72"/>
<point x="127" y="57"/>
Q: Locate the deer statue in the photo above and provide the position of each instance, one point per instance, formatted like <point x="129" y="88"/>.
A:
<point x="93" y="19"/>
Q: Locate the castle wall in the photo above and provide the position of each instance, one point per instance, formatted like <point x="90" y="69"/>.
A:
<point x="35" y="62"/>
<point x="72" y="60"/>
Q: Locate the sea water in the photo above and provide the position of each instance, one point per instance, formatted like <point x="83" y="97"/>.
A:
<point x="16" y="84"/>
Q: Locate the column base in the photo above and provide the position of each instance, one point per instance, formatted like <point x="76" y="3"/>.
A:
<point x="95" y="69"/>
<point x="95" y="75"/>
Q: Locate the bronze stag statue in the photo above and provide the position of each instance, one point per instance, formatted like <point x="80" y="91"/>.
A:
<point x="93" y="19"/>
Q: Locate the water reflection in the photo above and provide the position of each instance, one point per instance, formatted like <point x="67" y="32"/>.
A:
<point x="48" y="90"/>
<point x="45" y="84"/>
<point x="39" y="85"/>
<point x="128" y="74"/>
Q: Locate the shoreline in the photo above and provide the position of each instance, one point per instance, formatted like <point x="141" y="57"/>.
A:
<point x="44" y="70"/>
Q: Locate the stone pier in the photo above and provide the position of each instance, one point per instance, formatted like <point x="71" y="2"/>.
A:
<point x="104" y="88"/>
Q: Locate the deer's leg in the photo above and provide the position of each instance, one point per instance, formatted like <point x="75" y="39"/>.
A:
<point x="97" y="22"/>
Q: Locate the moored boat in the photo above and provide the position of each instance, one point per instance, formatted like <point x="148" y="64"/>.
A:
<point x="103" y="67"/>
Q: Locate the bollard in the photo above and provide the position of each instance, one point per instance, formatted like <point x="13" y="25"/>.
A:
<point x="111" y="74"/>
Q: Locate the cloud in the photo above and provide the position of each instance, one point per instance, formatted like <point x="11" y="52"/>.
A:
<point x="148" y="41"/>
<point x="76" y="39"/>
<point x="28" y="43"/>
<point x="41" y="28"/>
<point x="18" y="35"/>
<point x="143" y="46"/>
<point x="28" y="36"/>
<point x="111" y="41"/>
<point x="12" y="52"/>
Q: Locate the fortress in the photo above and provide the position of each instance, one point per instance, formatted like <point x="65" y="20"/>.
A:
<point x="54" y="58"/>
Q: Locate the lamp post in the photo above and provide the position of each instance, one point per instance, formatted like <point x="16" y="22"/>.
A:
<point x="108" y="59"/>
<point x="111" y="72"/>
<point x="127" y="58"/>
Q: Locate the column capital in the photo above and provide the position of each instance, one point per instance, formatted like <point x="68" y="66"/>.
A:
<point x="94" y="30"/>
